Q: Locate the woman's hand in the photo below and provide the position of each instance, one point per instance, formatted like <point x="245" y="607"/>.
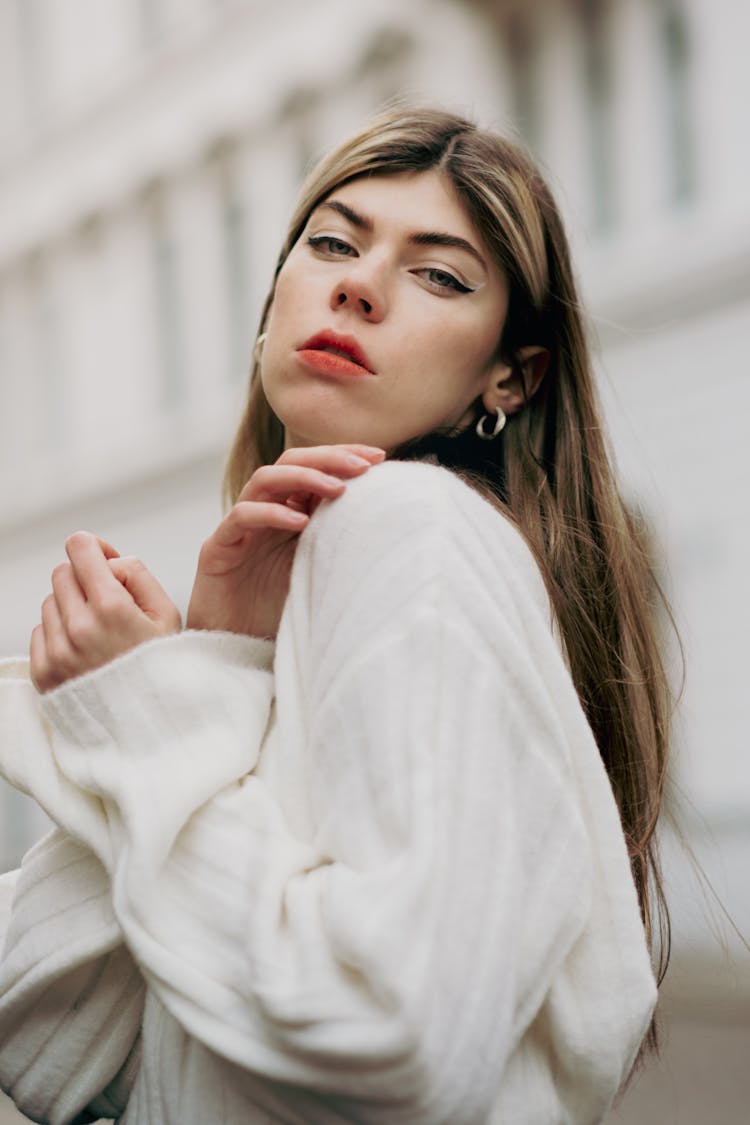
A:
<point x="244" y="567"/>
<point x="101" y="605"/>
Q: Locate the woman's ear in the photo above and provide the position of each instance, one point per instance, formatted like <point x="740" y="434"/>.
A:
<point x="511" y="387"/>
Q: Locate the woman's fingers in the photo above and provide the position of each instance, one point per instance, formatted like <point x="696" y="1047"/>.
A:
<point x="42" y="675"/>
<point x="99" y="583"/>
<point x="50" y="650"/>
<point x="146" y="591"/>
<point x="56" y="639"/>
<point x="279" y="482"/>
<point x="101" y="605"/>
<point x="282" y="496"/>
<point x="311" y="472"/>
<point x="69" y="596"/>
<point x="253" y="515"/>
<point x="349" y="458"/>
<point x="107" y="549"/>
<point x="38" y="658"/>
<point x="243" y="568"/>
<point x="89" y="560"/>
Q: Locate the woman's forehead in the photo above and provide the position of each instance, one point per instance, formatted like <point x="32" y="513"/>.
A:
<point x="416" y="198"/>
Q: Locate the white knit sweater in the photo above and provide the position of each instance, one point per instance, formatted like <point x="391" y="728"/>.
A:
<point x="375" y="874"/>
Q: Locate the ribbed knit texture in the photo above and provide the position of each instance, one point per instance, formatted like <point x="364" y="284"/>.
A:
<point x="381" y="881"/>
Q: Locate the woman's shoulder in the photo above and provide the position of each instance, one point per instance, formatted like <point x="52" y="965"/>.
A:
<point x="416" y="523"/>
<point x="422" y="499"/>
<point x="420" y="481"/>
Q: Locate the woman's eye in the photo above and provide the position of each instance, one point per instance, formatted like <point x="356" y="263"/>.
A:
<point x="330" y="245"/>
<point x="441" y="279"/>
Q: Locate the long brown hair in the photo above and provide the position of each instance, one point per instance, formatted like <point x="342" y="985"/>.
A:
<point x="550" y="470"/>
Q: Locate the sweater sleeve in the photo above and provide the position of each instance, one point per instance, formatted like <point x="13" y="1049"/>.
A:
<point x="390" y="959"/>
<point x="71" y="996"/>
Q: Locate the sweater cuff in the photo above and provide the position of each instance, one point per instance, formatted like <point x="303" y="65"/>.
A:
<point x="173" y="720"/>
<point x="165" y="669"/>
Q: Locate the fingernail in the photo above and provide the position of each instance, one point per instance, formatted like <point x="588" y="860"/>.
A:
<point x="357" y="462"/>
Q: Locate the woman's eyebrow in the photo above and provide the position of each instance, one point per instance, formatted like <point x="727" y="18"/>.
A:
<point x="357" y="220"/>
<point x="436" y="238"/>
<point x="419" y="238"/>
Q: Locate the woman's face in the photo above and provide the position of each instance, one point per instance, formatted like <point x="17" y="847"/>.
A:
<point x="386" y="317"/>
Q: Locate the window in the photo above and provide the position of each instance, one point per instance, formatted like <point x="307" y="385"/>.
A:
<point x="523" y="59"/>
<point x="150" y="23"/>
<point x="675" y="51"/>
<point x="599" y="96"/>
<point x="168" y="310"/>
<point x="6" y="393"/>
<point x="49" y="373"/>
<point x="234" y="230"/>
<point x="29" y="48"/>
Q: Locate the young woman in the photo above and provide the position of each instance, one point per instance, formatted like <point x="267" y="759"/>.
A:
<point x="372" y="839"/>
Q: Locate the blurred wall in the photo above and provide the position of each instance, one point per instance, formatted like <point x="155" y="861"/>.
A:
<point x="149" y="154"/>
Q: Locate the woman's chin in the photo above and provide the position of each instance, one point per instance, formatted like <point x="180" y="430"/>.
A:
<point x="308" y="430"/>
<point x="329" y="436"/>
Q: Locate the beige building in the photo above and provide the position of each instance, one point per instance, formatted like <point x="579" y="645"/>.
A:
<point x="149" y="154"/>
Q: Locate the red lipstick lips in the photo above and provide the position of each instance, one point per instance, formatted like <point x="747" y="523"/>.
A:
<point x="334" y="354"/>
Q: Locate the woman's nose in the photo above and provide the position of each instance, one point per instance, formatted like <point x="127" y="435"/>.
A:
<point x="360" y="293"/>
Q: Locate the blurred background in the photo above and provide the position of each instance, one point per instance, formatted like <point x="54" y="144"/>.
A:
<point x="150" y="151"/>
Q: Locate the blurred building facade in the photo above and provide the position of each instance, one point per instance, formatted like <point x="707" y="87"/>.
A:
<point x="150" y="151"/>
